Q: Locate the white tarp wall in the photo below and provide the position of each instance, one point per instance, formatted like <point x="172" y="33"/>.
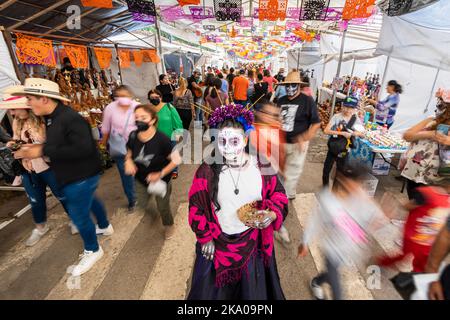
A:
<point x="419" y="46"/>
<point x="417" y="100"/>
<point x="8" y="75"/>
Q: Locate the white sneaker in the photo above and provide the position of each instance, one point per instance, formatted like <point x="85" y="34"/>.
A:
<point x="108" y="231"/>
<point x="317" y="290"/>
<point x="105" y="232"/>
<point x="88" y="259"/>
<point x="398" y="223"/>
<point x="284" y="234"/>
<point x="36" y="235"/>
<point x="73" y="228"/>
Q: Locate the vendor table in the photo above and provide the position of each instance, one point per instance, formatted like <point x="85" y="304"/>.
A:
<point x="364" y="153"/>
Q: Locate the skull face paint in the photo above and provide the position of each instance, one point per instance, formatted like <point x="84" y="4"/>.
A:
<point x="231" y="143"/>
<point x="291" y="89"/>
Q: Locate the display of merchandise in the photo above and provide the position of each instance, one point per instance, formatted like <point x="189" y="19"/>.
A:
<point x="379" y="137"/>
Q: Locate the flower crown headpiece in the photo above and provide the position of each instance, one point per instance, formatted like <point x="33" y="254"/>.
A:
<point x="232" y="111"/>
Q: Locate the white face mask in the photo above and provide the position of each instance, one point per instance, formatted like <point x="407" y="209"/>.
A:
<point x="231" y="143"/>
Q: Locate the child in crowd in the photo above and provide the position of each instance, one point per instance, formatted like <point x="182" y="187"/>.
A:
<point x="343" y="221"/>
<point x="428" y="211"/>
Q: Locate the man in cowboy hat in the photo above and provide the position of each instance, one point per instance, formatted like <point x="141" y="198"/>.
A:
<point x="75" y="160"/>
<point x="300" y="122"/>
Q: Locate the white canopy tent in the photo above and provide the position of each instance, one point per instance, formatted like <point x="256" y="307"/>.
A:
<point x="413" y="49"/>
<point x="7" y="73"/>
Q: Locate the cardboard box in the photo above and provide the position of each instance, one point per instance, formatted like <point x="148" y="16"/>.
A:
<point x="370" y="185"/>
<point x="380" y="167"/>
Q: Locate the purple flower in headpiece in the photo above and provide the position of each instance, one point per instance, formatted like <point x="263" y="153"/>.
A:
<point x="232" y="111"/>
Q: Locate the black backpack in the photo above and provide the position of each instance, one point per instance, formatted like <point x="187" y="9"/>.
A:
<point x="338" y="145"/>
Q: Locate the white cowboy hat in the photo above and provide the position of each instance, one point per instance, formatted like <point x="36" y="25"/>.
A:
<point x="37" y="87"/>
<point x="8" y="102"/>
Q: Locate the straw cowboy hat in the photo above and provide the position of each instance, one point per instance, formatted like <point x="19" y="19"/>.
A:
<point x="292" y="78"/>
<point x="8" y="102"/>
<point x="37" y="87"/>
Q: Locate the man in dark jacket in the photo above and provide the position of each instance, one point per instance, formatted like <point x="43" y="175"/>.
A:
<point x="75" y="160"/>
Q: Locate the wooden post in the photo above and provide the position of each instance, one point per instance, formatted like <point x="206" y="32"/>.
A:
<point x="8" y="40"/>
<point x="118" y="62"/>
<point x="333" y="105"/>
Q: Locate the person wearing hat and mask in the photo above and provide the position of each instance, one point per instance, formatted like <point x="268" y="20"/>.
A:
<point x="75" y="160"/>
<point x="343" y="126"/>
<point x="300" y="122"/>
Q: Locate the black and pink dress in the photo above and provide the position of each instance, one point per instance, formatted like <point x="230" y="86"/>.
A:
<point x="244" y="265"/>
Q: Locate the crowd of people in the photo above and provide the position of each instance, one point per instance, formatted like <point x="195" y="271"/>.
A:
<point x="263" y="126"/>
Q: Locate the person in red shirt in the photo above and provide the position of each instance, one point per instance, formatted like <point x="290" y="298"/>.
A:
<point x="270" y="81"/>
<point x="428" y="212"/>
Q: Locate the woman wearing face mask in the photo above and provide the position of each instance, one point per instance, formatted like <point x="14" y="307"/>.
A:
<point x="169" y="121"/>
<point x="29" y="128"/>
<point x="150" y="159"/>
<point x="235" y="260"/>
<point x="118" y="123"/>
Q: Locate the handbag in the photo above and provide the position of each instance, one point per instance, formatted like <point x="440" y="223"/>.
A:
<point x="338" y="145"/>
<point x="117" y="142"/>
<point x="9" y="166"/>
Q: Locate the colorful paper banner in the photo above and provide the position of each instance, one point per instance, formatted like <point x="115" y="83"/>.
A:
<point x="32" y="50"/>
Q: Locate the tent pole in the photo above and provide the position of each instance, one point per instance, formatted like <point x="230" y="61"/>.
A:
<point x="338" y="71"/>
<point x="8" y="40"/>
<point x="158" y="33"/>
<point x="118" y="62"/>
<point x="432" y="90"/>
<point x="351" y="75"/>
<point x="298" y="59"/>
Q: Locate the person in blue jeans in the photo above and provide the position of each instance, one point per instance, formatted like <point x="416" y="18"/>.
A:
<point x="35" y="185"/>
<point x="37" y="175"/>
<point x="75" y="160"/>
<point x="118" y="123"/>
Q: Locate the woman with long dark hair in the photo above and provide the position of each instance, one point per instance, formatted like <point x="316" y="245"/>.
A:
<point x="216" y="97"/>
<point x="235" y="251"/>
<point x="387" y="108"/>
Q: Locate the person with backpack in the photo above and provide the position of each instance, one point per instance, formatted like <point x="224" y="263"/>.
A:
<point x="184" y="103"/>
<point x="341" y="128"/>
